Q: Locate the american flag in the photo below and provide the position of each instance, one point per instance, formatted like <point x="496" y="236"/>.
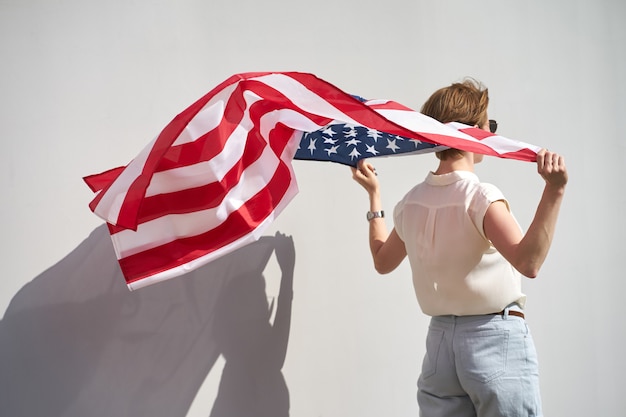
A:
<point x="220" y="172"/>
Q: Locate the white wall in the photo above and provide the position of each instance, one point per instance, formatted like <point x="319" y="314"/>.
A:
<point x="85" y="85"/>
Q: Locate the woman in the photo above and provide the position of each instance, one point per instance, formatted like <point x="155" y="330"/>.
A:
<point x="467" y="254"/>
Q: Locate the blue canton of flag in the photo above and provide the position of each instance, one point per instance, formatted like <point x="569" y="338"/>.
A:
<point x="347" y="143"/>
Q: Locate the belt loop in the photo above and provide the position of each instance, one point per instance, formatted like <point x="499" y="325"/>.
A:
<point x="505" y="313"/>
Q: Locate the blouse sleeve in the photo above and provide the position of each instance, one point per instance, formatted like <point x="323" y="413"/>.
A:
<point x="484" y="196"/>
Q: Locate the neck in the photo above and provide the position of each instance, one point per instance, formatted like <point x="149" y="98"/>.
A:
<point x="463" y="163"/>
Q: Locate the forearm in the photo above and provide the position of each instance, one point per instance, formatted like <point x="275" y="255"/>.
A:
<point x="377" y="228"/>
<point x="387" y="249"/>
<point x="534" y="246"/>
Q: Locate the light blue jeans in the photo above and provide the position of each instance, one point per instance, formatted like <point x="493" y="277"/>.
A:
<point x="484" y="366"/>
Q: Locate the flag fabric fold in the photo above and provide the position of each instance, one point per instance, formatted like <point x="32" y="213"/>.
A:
<point x="221" y="171"/>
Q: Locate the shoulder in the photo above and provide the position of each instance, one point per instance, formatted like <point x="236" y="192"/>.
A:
<point x="410" y="198"/>
<point x="489" y="192"/>
<point x="483" y="196"/>
<point x="412" y="194"/>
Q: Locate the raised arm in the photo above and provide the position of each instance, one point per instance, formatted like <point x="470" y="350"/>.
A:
<point x="387" y="250"/>
<point x="528" y="252"/>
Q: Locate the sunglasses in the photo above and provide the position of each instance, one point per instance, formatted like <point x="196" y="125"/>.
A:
<point x="493" y="126"/>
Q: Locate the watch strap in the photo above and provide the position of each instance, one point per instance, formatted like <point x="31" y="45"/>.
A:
<point x="375" y="214"/>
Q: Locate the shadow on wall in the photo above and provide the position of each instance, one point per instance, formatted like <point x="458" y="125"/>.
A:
<point x="76" y="342"/>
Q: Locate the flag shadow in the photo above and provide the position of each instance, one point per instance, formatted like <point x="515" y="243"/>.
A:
<point x="76" y="342"/>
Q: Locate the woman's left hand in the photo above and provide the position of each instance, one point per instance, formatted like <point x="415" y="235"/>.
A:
<point x="365" y="174"/>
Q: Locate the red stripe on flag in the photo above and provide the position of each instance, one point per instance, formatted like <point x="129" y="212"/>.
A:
<point x="526" y="155"/>
<point x="477" y="133"/>
<point x="100" y="181"/>
<point x="388" y="105"/>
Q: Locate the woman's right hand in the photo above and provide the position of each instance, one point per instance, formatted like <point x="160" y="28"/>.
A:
<point x="551" y="167"/>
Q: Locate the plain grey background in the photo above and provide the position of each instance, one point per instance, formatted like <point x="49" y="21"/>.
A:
<point x="84" y="85"/>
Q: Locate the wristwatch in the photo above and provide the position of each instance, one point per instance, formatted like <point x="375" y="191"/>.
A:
<point x="374" y="214"/>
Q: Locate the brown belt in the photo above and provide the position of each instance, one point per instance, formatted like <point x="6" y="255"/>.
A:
<point x="511" y="313"/>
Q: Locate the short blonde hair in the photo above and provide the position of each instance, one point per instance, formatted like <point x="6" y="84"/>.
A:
<point x="465" y="102"/>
